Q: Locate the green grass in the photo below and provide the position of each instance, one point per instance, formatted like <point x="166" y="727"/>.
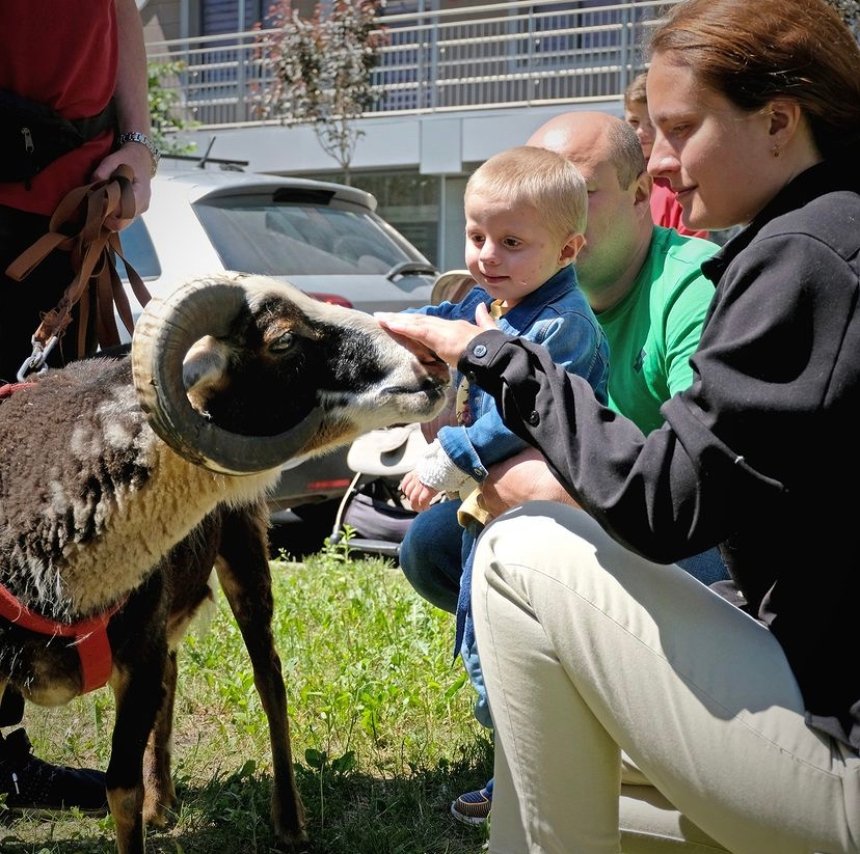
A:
<point x="381" y="722"/>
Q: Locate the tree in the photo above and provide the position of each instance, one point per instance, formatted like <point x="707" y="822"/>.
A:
<point x="162" y="108"/>
<point x="320" y="70"/>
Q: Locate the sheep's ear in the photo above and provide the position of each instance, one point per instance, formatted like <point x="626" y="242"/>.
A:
<point x="163" y="335"/>
<point x="204" y="370"/>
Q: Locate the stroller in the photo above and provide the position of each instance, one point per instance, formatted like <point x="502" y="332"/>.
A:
<point x="373" y="506"/>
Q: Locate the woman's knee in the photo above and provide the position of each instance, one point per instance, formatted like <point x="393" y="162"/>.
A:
<point x="537" y="535"/>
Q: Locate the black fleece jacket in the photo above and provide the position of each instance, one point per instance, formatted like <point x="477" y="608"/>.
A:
<point x="761" y="454"/>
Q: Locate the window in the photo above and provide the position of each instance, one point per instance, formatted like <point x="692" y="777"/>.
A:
<point x="227" y="16"/>
<point x="296" y="237"/>
<point x="410" y="202"/>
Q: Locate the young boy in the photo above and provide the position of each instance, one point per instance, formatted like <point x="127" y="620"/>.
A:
<point x="525" y="217"/>
<point x="526" y="214"/>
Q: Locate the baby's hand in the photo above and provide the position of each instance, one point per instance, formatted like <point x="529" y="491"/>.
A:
<point x="418" y="495"/>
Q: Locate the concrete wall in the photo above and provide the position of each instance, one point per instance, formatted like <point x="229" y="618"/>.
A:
<point x="438" y="144"/>
<point x="163" y="19"/>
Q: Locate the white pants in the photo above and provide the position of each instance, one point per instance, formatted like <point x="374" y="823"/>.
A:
<point x="589" y="650"/>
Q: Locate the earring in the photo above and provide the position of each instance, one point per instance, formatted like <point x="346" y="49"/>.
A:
<point x="775" y="151"/>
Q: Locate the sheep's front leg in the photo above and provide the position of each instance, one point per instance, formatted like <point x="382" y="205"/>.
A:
<point x="243" y="571"/>
<point x="159" y="790"/>
<point x="137" y="683"/>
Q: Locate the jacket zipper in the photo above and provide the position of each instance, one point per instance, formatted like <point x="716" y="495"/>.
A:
<point x="29" y="147"/>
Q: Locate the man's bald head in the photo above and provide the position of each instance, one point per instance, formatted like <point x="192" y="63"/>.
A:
<point x="589" y="137"/>
<point x="618" y="234"/>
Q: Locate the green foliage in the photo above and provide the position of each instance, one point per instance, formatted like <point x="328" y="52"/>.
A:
<point x="382" y="728"/>
<point x="320" y="70"/>
<point x="340" y="550"/>
<point x="163" y="109"/>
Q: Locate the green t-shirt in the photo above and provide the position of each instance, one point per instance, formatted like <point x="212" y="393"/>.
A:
<point x="653" y="331"/>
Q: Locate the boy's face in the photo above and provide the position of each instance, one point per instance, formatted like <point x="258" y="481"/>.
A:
<point x="513" y="252"/>
<point x="636" y="115"/>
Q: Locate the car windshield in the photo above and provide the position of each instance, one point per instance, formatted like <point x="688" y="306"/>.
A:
<point x="269" y="237"/>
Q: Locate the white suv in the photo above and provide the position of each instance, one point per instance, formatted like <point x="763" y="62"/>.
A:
<point x="322" y="237"/>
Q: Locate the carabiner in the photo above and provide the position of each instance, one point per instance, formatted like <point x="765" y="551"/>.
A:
<point x="37" y="360"/>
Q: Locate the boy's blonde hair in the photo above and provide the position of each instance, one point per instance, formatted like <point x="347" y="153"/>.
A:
<point x="538" y="177"/>
<point x="635" y="93"/>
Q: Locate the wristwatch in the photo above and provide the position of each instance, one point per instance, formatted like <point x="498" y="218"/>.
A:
<point x="142" y="139"/>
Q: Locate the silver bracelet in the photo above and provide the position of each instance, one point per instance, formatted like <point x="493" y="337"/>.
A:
<point x="142" y="139"/>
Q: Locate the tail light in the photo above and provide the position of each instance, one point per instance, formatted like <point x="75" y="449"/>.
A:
<point x="334" y="299"/>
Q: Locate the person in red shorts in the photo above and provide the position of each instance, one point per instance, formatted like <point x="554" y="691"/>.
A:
<point x="91" y="69"/>
<point x="83" y="61"/>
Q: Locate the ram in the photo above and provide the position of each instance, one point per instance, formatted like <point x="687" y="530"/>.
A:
<point x="124" y="481"/>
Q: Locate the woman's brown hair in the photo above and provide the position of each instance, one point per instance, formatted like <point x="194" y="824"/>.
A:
<point x="752" y="51"/>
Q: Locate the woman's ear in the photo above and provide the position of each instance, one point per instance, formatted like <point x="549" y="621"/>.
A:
<point x="785" y="117"/>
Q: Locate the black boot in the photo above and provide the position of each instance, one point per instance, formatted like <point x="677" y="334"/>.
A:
<point x="11" y="707"/>
<point x="28" y="783"/>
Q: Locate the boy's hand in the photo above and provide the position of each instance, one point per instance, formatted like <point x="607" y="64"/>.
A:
<point x="520" y="478"/>
<point x="418" y="494"/>
<point x="446" y="418"/>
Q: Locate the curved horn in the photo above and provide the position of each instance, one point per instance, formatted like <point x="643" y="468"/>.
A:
<point x="162" y="336"/>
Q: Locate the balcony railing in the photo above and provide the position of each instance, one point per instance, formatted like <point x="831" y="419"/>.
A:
<point x="511" y="54"/>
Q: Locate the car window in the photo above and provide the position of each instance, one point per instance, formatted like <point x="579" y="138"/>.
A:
<point x="138" y="248"/>
<point x="268" y="237"/>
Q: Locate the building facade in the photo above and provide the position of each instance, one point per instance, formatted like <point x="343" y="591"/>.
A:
<point x="459" y="80"/>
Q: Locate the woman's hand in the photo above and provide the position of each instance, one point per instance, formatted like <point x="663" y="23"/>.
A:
<point x="448" y="339"/>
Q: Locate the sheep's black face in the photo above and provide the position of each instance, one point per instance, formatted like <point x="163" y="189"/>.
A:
<point x="286" y="357"/>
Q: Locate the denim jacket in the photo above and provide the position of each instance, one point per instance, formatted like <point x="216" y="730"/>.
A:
<point x="557" y="316"/>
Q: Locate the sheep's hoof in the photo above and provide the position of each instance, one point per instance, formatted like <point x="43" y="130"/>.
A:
<point x="294" y="842"/>
<point x="156" y="809"/>
<point x="155" y="818"/>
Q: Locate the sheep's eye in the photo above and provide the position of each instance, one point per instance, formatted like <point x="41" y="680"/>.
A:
<point x="282" y="343"/>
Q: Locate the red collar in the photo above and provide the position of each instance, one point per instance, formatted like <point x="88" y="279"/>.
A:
<point x="8" y="388"/>
<point x="90" y="637"/>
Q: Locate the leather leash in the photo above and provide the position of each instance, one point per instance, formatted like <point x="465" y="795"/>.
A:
<point x="78" y="226"/>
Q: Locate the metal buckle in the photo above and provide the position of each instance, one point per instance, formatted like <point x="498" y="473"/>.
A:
<point x="36" y="361"/>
